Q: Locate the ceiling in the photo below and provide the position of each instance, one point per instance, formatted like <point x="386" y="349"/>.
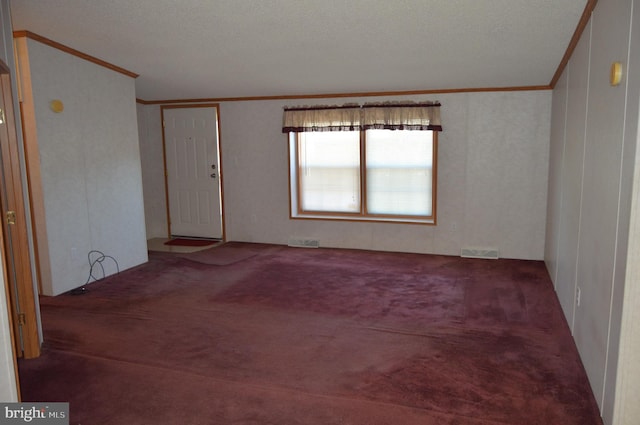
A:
<point x="195" y="49"/>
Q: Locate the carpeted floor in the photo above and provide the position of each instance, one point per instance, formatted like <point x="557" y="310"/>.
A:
<point x="265" y="334"/>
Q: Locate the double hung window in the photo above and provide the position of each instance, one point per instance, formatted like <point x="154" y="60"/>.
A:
<point x="373" y="162"/>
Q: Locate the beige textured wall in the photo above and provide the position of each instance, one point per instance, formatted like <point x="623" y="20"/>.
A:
<point x="155" y="205"/>
<point x="90" y="165"/>
<point x="492" y="177"/>
<point x="591" y="240"/>
<point x="625" y="406"/>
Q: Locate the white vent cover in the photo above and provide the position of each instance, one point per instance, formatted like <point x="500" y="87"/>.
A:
<point x="488" y="253"/>
<point x="304" y="243"/>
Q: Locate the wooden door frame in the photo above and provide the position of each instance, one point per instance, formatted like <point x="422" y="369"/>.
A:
<point x="17" y="255"/>
<point x="164" y="160"/>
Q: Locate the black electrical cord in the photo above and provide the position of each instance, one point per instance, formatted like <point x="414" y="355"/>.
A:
<point x="95" y="258"/>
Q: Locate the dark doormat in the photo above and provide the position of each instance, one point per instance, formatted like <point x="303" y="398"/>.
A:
<point x="191" y="242"/>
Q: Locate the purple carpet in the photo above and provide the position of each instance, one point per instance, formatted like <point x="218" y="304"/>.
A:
<point x="266" y="334"/>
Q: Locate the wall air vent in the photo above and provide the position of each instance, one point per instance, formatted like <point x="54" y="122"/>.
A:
<point x="488" y="253"/>
<point x="304" y="243"/>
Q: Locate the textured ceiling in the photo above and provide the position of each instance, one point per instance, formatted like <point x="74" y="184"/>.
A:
<point x="244" y="48"/>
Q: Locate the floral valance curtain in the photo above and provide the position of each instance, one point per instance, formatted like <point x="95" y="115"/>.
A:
<point x="354" y="117"/>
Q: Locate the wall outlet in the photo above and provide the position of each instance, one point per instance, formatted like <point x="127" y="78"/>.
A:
<point x="578" y="295"/>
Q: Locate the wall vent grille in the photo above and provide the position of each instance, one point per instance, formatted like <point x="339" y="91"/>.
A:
<point x="488" y="253"/>
<point x="304" y="243"/>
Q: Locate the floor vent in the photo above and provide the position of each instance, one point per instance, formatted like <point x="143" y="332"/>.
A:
<point x="304" y="243"/>
<point x="491" y="254"/>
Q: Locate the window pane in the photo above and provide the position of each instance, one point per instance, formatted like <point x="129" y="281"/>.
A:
<point x="399" y="172"/>
<point x="329" y="171"/>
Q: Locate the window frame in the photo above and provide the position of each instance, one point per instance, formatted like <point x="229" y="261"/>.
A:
<point x="295" y="187"/>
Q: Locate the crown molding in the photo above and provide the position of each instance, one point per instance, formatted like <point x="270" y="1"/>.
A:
<point x="74" y="52"/>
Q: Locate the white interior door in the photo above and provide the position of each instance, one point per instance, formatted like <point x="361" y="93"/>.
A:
<point x="193" y="171"/>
